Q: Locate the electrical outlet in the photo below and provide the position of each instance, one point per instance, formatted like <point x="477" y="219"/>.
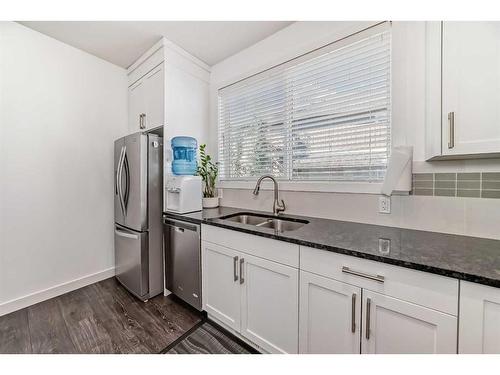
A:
<point x="384" y="246"/>
<point x="384" y="205"/>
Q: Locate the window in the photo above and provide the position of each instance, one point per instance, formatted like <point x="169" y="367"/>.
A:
<point x="324" y="116"/>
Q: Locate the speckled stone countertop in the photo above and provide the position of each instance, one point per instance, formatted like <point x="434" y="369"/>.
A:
<point x="465" y="258"/>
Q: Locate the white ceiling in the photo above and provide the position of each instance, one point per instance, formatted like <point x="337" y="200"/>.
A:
<point x="122" y="42"/>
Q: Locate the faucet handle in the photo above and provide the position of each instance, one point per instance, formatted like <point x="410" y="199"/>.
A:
<point x="281" y="206"/>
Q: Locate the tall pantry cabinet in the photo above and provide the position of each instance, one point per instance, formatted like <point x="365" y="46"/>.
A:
<point x="168" y="89"/>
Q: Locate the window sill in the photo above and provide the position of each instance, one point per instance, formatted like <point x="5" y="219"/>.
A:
<point x="324" y="187"/>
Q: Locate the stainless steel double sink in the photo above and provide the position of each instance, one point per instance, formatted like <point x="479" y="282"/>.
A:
<point x="281" y="224"/>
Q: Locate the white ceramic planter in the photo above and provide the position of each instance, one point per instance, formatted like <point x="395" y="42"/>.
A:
<point x="211" y="202"/>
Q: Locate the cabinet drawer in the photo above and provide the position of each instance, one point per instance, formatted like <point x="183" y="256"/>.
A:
<point x="425" y="289"/>
<point x="277" y="251"/>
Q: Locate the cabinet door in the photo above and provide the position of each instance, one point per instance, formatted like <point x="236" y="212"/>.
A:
<point x="221" y="288"/>
<point x="269" y="304"/>
<point x="154" y="97"/>
<point x="393" y="326"/>
<point x="330" y="313"/>
<point x="479" y="330"/>
<point x="136" y="105"/>
<point x="471" y="87"/>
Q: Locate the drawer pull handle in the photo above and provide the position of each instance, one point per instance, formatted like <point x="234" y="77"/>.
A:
<point x="377" y="278"/>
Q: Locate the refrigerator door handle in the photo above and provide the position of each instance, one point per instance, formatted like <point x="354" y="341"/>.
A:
<point x="119" y="180"/>
<point x="127" y="181"/>
<point x="120" y="187"/>
<point x="122" y="233"/>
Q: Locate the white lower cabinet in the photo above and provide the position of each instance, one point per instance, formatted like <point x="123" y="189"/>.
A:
<point x="255" y="297"/>
<point x="324" y="302"/>
<point x="330" y="313"/>
<point x="479" y="330"/>
<point x="221" y="287"/>
<point x="269" y="313"/>
<point x="393" y="326"/>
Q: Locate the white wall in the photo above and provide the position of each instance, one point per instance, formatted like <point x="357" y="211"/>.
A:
<point x="60" y="111"/>
<point x="471" y="216"/>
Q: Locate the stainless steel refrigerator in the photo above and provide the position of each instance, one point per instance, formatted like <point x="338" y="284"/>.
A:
<point x="138" y="214"/>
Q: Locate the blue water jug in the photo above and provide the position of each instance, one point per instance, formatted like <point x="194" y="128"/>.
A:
<point x="184" y="152"/>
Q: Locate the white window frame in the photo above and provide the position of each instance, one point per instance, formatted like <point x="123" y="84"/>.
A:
<point x="349" y="187"/>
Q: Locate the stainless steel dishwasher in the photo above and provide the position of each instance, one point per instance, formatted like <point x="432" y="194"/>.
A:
<point x="183" y="260"/>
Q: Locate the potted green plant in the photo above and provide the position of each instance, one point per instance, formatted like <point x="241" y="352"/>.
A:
<point x="208" y="170"/>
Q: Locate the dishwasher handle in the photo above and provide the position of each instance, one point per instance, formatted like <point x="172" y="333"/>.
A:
<point x="180" y="226"/>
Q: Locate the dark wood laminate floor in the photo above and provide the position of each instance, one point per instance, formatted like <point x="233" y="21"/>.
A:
<point x="99" y="318"/>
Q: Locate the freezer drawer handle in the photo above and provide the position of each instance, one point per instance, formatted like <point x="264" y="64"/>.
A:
<point x="125" y="234"/>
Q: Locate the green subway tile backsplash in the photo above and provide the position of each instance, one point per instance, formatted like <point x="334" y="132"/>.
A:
<point x="470" y="184"/>
<point x="490" y="193"/>
<point x="423" y="192"/>
<point x="423" y="184"/>
<point x="444" y="192"/>
<point x="445" y="176"/>
<point x="423" y="176"/>
<point x="491" y="185"/>
<point x="491" y="176"/>
<point x="469" y="176"/>
<point x="445" y="184"/>
<point x="469" y="193"/>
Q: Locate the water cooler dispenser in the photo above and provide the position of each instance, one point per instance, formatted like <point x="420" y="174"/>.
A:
<point x="183" y="189"/>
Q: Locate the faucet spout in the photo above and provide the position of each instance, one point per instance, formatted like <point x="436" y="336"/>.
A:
<point x="278" y="204"/>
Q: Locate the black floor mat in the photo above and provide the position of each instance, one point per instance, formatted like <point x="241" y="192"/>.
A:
<point x="208" y="339"/>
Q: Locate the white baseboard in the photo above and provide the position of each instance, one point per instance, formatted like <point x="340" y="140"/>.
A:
<point x="57" y="290"/>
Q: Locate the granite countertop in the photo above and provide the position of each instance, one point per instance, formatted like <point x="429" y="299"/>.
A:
<point x="465" y="258"/>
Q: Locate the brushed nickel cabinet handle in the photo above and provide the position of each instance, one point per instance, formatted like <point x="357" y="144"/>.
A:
<point x="353" y="313"/>
<point x="368" y="306"/>
<point x="242" y="279"/>
<point x="235" y="268"/>
<point x="378" y="278"/>
<point x="142" y="117"/>
<point x="451" y="123"/>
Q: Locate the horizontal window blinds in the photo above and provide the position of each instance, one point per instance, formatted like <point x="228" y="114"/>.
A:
<point x="324" y="116"/>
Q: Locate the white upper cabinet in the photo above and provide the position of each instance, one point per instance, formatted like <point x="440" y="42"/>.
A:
<point x="471" y="87"/>
<point x="330" y="313"/>
<point x="136" y="105"/>
<point x="146" y="101"/>
<point x="465" y="58"/>
<point x="168" y="87"/>
<point x="479" y="330"/>
<point x="394" y="326"/>
<point x="154" y="93"/>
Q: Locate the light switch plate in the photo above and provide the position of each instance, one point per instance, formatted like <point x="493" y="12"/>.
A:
<point x="384" y="205"/>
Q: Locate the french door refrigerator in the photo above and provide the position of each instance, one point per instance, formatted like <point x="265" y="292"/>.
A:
<point x="138" y="214"/>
